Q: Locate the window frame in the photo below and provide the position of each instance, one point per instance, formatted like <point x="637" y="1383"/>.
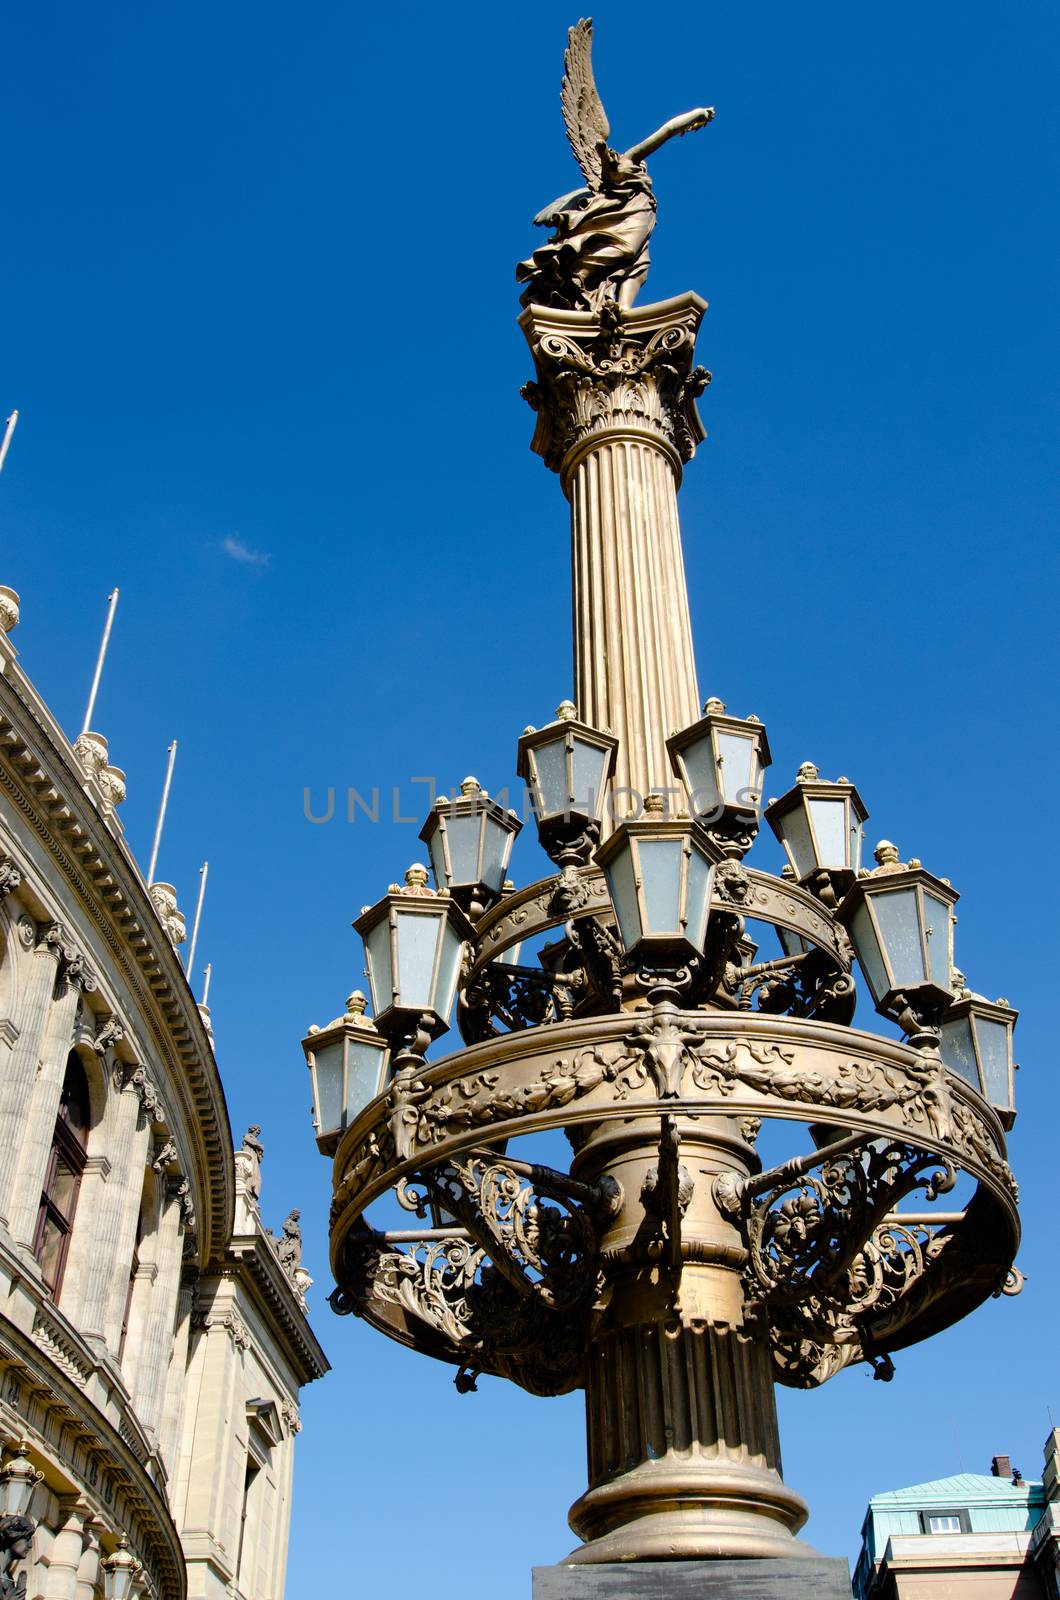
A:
<point x="960" y="1512"/>
<point x="66" y="1146"/>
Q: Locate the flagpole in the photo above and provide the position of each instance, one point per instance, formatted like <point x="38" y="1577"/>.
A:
<point x="112" y="600"/>
<point x="12" y="424"/>
<point x="162" y="813"/>
<point x="203" y="874"/>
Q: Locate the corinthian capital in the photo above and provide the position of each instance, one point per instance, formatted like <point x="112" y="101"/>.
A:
<point x="615" y="374"/>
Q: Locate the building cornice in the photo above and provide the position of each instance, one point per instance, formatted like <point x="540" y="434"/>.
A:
<point x="251" y="1258"/>
<point x="41" y="777"/>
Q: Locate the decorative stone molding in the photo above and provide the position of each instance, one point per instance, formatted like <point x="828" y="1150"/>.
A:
<point x="164" y="900"/>
<point x="289" y="1413"/>
<point x="164" y="1156"/>
<point x="133" y="1076"/>
<point x="620" y="374"/>
<point x="74" y="969"/>
<point x="93" y="753"/>
<point x="27" y="932"/>
<point x="231" y="1322"/>
<point x="10" y="876"/>
<point x="179" y="1189"/>
<point x="112" y="783"/>
<point x="109" y="1034"/>
<point x="9" y="608"/>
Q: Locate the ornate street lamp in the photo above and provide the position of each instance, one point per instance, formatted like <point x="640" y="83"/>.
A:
<point x="470" y="841"/>
<point x="348" y="1064"/>
<point x="975" y="1041"/>
<point x="721" y="760"/>
<point x="900" y="919"/>
<point x="18" y="1479"/>
<point x="648" y="1032"/>
<point x="821" y="826"/>
<point x="120" y="1572"/>
<point x="566" y="766"/>
<point x="412" y="939"/>
<point x="660" y="871"/>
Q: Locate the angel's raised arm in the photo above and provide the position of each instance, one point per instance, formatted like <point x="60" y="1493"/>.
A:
<point x="672" y="130"/>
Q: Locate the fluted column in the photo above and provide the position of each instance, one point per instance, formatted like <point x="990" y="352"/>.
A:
<point x="683" y="1449"/>
<point x="156" y="1335"/>
<point x="102" y="1246"/>
<point x="615" y="398"/>
<point x="38" y="964"/>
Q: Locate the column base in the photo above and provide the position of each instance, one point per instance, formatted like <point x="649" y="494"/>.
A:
<point x="812" y="1577"/>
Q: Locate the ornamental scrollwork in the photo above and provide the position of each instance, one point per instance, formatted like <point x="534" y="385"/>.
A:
<point x="74" y="970"/>
<point x="10" y="876"/>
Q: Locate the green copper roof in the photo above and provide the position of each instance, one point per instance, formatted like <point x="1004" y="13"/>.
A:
<point x="964" y="1489"/>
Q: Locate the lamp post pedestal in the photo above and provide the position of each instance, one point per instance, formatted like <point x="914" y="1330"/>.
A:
<point x="684" y="1454"/>
<point x="816" y="1578"/>
<point x="615" y="397"/>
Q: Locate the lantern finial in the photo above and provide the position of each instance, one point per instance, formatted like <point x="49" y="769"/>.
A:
<point x="886" y="856"/>
<point x="566" y="711"/>
<point x="807" y="772"/>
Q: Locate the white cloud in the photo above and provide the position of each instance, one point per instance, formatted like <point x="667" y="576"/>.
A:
<point x="233" y="546"/>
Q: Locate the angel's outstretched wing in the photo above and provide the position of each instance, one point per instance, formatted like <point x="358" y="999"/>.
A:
<point x="583" y="113"/>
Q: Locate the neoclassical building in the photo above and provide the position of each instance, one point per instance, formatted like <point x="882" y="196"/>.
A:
<point x="153" y="1332"/>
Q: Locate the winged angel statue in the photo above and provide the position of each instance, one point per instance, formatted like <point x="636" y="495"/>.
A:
<point x="599" y="249"/>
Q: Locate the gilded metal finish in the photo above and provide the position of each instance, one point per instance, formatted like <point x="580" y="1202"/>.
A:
<point x="665" y="1273"/>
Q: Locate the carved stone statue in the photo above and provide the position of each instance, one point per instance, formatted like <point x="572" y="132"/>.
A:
<point x="599" y="248"/>
<point x="16" y="1534"/>
<point x="252" y="1141"/>
<point x="289" y="1247"/>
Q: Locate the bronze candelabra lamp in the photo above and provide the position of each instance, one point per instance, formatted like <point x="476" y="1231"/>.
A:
<point x="657" y="999"/>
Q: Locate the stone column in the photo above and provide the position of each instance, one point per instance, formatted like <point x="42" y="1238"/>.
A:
<point x="684" y="1455"/>
<point x="177" y="1376"/>
<point x="616" y="418"/>
<point x="156" y="1332"/>
<point x="88" y="1574"/>
<point x="36" y="987"/>
<point x="74" y="977"/>
<point x="68" y="1548"/>
<point x="102" y="1244"/>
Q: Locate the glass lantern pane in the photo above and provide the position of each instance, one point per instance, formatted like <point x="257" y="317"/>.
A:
<point x="796" y="835"/>
<point x="993" y="1040"/>
<point x="417" y="942"/>
<point x="550" y="760"/>
<point x="937" y="929"/>
<point x="448" y="971"/>
<point x="463" y="835"/>
<point x="701" y="776"/>
<point x="495" y="852"/>
<point x="700" y="873"/>
<point x="380" y="974"/>
<point x="661" y="861"/>
<point x="588" y="767"/>
<point x="327" y="1066"/>
<point x="622" y="888"/>
<point x="438" y="859"/>
<point x="958" y="1051"/>
<point x="365" y="1072"/>
<point x="792" y="944"/>
<point x="857" y="839"/>
<point x="829" y="819"/>
<point x="898" y="915"/>
<point x="735" y="766"/>
<point x="863" y="934"/>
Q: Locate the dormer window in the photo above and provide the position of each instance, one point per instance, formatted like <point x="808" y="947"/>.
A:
<point x="944" y="1521"/>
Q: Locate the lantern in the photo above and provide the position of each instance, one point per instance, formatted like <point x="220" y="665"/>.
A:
<point x="721" y="760"/>
<point x="821" y="826"/>
<point x="976" y="1042"/>
<point x="412" y="939"/>
<point x="900" y="919"/>
<point x="120" y="1572"/>
<point x="659" y="871"/>
<point x="18" y="1479"/>
<point x="566" y="766"/>
<point x="470" y="841"/>
<point x="348" y="1063"/>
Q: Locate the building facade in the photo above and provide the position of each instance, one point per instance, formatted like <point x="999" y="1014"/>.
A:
<point x="993" y="1536"/>
<point x="153" y="1332"/>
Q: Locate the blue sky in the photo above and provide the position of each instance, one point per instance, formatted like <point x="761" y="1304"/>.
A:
<point x="259" y="320"/>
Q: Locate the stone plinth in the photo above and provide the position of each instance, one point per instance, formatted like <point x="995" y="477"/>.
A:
<point x="811" y="1578"/>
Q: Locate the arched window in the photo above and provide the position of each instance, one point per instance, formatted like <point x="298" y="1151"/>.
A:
<point x="62" y="1179"/>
